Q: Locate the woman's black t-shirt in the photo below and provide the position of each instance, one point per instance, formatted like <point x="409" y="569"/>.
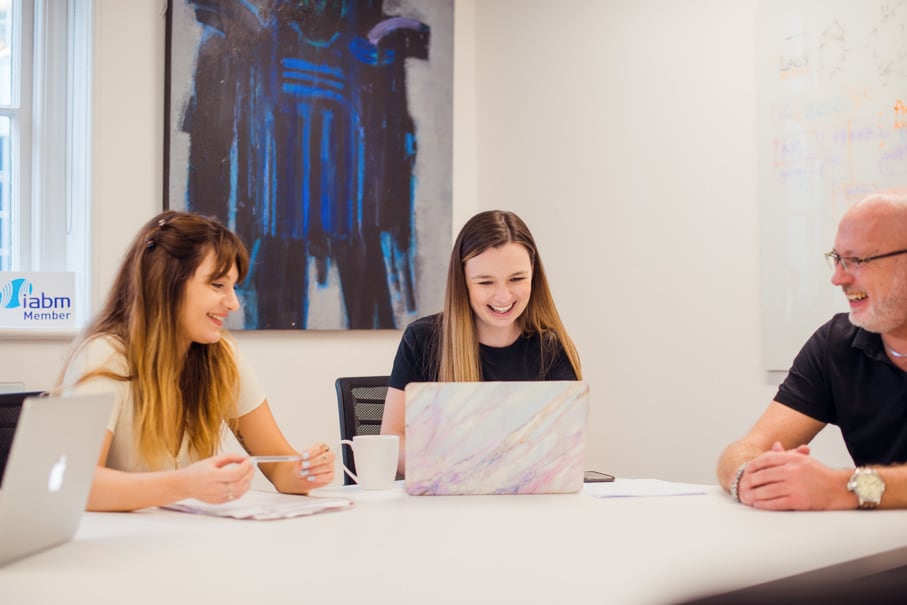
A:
<point x="417" y="357"/>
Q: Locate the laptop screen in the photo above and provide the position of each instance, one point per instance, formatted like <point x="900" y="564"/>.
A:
<point x="10" y="408"/>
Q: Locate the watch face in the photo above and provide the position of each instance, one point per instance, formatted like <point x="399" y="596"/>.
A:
<point x="870" y="486"/>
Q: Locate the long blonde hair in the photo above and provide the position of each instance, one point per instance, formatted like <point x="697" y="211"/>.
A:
<point x="458" y="353"/>
<point x="173" y="395"/>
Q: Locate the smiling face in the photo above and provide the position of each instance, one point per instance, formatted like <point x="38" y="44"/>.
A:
<point x="207" y="301"/>
<point x="499" y="281"/>
<point x="876" y="291"/>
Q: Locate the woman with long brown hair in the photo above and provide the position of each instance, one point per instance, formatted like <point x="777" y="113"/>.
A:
<point x="499" y="320"/>
<point x="160" y="344"/>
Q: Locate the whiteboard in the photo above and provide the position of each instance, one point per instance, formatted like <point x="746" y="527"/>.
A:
<point x="832" y="127"/>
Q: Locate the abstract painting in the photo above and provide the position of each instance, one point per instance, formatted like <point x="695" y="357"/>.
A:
<point x="320" y="132"/>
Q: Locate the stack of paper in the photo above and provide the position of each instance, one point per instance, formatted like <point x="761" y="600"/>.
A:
<point x="634" y="488"/>
<point x="262" y="506"/>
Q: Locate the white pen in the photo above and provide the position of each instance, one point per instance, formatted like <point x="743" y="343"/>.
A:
<point x="287" y="458"/>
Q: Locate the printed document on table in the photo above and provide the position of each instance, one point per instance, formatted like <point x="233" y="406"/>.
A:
<point x="260" y="505"/>
<point x="636" y="488"/>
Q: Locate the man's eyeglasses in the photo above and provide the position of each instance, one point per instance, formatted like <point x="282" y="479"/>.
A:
<point x="852" y="264"/>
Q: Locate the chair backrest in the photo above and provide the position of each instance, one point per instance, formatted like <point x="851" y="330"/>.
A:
<point x="10" y="408"/>
<point x="360" y="403"/>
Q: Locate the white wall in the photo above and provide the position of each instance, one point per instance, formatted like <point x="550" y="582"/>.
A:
<point x="622" y="132"/>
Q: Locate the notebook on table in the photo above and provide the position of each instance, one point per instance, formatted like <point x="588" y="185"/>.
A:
<point x="49" y="471"/>
<point x="470" y="438"/>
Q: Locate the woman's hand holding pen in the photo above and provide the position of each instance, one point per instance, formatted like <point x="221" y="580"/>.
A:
<point x="218" y="479"/>
<point x="316" y="469"/>
<point x="301" y="472"/>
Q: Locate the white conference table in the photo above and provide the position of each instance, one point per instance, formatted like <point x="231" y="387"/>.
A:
<point x="394" y="548"/>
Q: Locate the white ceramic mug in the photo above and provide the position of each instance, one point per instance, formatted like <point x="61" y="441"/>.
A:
<point x="376" y="460"/>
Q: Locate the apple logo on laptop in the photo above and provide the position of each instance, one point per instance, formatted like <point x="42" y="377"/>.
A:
<point x="55" y="479"/>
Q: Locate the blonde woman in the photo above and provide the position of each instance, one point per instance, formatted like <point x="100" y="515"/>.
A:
<point x="160" y="345"/>
<point x="499" y="320"/>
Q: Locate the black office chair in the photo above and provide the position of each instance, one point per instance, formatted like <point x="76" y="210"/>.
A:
<point x="360" y="402"/>
<point x="10" y="408"/>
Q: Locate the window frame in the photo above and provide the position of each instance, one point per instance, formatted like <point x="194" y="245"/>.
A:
<point x="19" y="114"/>
<point x="51" y="157"/>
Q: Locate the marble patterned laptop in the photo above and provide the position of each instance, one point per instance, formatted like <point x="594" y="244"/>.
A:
<point x="466" y="438"/>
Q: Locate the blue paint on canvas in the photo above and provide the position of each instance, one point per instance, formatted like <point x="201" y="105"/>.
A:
<point x="301" y="138"/>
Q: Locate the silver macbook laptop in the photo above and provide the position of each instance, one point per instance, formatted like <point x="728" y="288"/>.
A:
<point x="49" y="472"/>
<point x="467" y="438"/>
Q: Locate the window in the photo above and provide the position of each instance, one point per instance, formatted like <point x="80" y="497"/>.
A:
<point x="10" y="114"/>
<point x="45" y="63"/>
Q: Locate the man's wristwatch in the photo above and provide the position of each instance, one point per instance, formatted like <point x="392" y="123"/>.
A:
<point x="867" y="485"/>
